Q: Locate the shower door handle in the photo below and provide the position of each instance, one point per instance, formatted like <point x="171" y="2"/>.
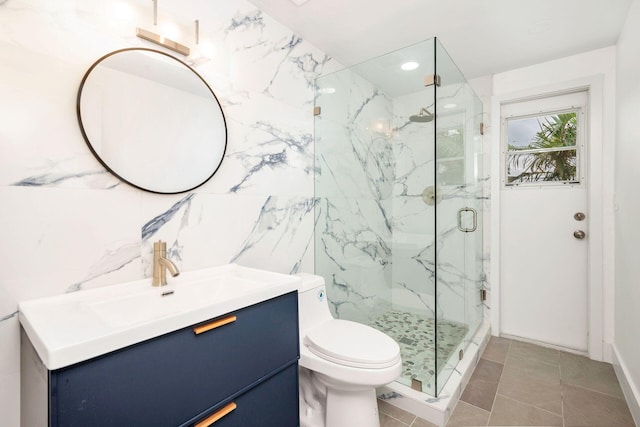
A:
<point x="475" y="220"/>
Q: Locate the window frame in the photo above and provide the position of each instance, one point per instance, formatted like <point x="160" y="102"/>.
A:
<point x="548" y="106"/>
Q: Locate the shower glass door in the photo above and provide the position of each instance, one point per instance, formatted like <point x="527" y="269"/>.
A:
<point x="458" y="217"/>
<point x="391" y="175"/>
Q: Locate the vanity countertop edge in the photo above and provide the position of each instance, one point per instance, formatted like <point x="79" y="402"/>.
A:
<point x="64" y="331"/>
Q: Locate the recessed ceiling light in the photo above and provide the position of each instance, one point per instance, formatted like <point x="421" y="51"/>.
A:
<point x="408" y="66"/>
<point x="448" y="106"/>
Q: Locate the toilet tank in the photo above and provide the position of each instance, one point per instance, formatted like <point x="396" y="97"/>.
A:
<point x="313" y="307"/>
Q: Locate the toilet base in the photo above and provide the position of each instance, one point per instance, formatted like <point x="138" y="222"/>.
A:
<point x="352" y="408"/>
<point x="327" y="402"/>
<point x="313" y="400"/>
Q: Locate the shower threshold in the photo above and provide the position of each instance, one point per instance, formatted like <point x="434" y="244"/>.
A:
<point x="437" y="410"/>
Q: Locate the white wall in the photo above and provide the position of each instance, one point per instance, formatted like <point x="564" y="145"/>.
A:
<point x="598" y="65"/>
<point x="627" y="235"/>
<point x="67" y="224"/>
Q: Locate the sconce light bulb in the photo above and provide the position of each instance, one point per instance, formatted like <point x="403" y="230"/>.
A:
<point x="123" y="12"/>
<point x="170" y="31"/>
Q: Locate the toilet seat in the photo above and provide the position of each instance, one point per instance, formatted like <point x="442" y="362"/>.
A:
<point x="352" y="344"/>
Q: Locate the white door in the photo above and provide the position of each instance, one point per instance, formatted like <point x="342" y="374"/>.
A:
<point x="544" y="221"/>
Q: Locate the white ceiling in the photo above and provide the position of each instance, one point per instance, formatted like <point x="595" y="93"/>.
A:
<point x="482" y="36"/>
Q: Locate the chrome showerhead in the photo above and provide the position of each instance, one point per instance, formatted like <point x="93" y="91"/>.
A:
<point x="423" y="116"/>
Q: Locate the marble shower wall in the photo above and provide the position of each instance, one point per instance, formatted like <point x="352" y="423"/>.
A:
<point x="375" y="234"/>
<point x="67" y="224"/>
<point x="459" y="255"/>
<point x="354" y="185"/>
<point x="413" y="220"/>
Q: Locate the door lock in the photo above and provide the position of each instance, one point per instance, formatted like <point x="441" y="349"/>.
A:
<point x="579" y="234"/>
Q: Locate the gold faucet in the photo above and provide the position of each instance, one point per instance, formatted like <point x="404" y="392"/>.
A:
<point x="161" y="263"/>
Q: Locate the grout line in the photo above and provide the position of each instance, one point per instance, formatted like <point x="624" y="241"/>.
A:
<point x="400" y="421"/>
<point x="477" y="407"/>
<point x="591" y="389"/>
<point x="499" y="380"/>
<point x="515" y="400"/>
<point x="532" y="406"/>
<point x="595" y="391"/>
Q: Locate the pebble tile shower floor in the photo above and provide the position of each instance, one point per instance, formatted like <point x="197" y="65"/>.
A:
<point x="415" y="335"/>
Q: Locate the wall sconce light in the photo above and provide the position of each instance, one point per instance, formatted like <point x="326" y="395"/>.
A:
<point x="201" y="52"/>
<point x="161" y="40"/>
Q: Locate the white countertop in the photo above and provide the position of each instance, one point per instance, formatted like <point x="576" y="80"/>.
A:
<point x="70" y="328"/>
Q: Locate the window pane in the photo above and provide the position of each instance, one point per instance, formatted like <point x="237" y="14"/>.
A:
<point x="542" y="148"/>
<point x="544" y="131"/>
<point x="540" y="167"/>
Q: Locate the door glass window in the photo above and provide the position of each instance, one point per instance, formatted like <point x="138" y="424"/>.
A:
<point x="543" y="148"/>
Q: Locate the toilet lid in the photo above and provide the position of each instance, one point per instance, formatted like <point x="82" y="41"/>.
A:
<point x="352" y="344"/>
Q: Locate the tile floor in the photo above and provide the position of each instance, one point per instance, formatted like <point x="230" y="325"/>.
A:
<point x="521" y="384"/>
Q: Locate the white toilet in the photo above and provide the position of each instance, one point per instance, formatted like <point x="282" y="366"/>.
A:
<point x="341" y="363"/>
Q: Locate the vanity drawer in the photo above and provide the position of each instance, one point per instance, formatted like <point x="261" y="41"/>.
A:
<point x="273" y="402"/>
<point x="169" y="379"/>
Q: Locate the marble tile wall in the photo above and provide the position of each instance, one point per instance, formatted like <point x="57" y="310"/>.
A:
<point x="375" y="235"/>
<point x="414" y="225"/>
<point x="67" y="224"/>
<point x="459" y="255"/>
<point x="355" y="170"/>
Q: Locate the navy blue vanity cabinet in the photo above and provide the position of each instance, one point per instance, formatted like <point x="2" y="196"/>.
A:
<point x="246" y="360"/>
<point x="268" y="404"/>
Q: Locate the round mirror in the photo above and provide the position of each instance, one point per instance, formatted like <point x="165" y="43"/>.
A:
<point x="151" y="120"/>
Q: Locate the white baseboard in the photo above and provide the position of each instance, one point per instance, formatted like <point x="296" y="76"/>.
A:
<point x="544" y="344"/>
<point x="630" y="390"/>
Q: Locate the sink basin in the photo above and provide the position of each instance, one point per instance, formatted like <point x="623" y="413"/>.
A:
<point x="70" y="328"/>
<point x="154" y="303"/>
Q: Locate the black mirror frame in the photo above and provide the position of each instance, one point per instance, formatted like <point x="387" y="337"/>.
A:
<point x="103" y="163"/>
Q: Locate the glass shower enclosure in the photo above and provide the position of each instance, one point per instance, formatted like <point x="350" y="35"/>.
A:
<point x="398" y="235"/>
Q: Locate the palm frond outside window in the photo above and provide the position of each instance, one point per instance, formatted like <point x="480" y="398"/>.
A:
<point x="543" y="149"/>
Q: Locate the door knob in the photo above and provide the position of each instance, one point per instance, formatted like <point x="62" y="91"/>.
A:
<point x="579" y="216"/>
<point x="579" y="234"/>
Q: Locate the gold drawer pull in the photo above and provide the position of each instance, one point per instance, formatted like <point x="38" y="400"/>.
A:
<point x="215" y="324"/>
<point x="217" y="415"/>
